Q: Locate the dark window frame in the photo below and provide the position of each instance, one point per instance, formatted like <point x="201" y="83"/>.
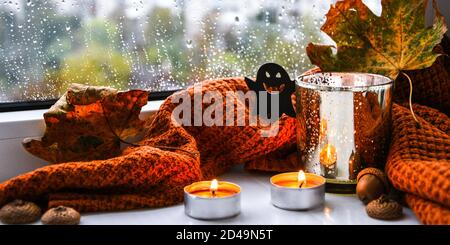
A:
<point x="45" y="104"/>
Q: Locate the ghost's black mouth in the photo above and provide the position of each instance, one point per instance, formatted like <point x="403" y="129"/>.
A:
<point x="274" y="88"/>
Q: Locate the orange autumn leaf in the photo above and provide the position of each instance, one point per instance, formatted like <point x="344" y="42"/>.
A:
<point x="87" y="123"/>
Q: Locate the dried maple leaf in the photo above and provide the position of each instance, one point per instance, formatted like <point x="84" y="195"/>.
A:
<point x="87" y="123"/>
<point x="396" y="41"/>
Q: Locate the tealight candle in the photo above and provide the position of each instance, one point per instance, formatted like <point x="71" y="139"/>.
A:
<point x="297" y="190"/>
<point x="212" y="199"/>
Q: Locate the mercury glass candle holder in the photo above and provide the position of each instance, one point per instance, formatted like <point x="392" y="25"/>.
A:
<point x="343" y="125"/>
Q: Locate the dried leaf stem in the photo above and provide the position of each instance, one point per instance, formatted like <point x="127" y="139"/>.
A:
<point x="410" y="99"/>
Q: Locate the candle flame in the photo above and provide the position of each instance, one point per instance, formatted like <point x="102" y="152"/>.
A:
<point x="214" y="186"/>
<point x="329" y="151"/>
<point x="301" y="179"/>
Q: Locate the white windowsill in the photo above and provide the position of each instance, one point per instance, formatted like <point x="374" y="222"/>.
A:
<point x="256" y="206"/>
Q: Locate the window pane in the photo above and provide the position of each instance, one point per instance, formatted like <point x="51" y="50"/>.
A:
<point x="155" y="44"/>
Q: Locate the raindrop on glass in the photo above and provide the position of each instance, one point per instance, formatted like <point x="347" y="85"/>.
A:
<point x="189" y="43"/>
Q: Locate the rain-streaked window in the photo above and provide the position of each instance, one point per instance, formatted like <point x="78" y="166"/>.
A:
<point x="157" y="45"/>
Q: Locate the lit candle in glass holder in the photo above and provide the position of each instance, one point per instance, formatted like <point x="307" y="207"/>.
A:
<point x="212" y="199"/>
<point x="328" y="158"/>
<point x="297" y="190"/>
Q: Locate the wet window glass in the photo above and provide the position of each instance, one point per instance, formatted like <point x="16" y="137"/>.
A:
<point x="159" y="45"/>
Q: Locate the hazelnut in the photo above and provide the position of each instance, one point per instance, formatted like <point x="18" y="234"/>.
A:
<point x="372" y="183"/>
<point x="19" y="212"/>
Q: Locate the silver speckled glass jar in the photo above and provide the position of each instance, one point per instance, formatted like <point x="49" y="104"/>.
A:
<point x="344" y="123"/>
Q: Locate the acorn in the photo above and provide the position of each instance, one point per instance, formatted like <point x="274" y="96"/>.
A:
<point x="61" y="216"/>
<point x="372" y="183"/>
<point x="384" y="208"/>
<point x="19" y="212"/>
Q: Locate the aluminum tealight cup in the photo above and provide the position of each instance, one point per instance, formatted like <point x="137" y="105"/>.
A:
<point x="209" y="208"/>
<point x="297" y="198"/>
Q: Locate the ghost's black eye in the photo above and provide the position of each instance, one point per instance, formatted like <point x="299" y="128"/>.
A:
<point x="267" y="75"/>
<point x="278" y="75"/>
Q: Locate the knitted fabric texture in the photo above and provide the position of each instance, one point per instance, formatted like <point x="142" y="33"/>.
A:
<point x="429" y="213"/>
<point x="419" y="162"/>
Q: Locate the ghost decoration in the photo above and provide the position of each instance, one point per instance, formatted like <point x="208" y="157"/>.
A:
<point x="273" y="80"/>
